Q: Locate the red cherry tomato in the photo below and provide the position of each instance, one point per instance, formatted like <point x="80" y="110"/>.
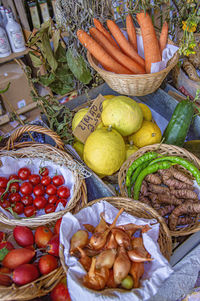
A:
<point x="18" y="208"/>
<point x="3" y="182"/>
<point x="13" y="177"/>
<point x="5" y="204"/>
<point x="24" y="173"/>
<point x="44" y="171"/>
<point x="34" y="179"/>
<point x="50" y="208"/>
<point x="51" y="189"/>
<point x="29" y="211"/>
<point x="52" y="199"/>
<point x="58" y="180"/>
<point x="14" y="197"/>
<point x="14" y="187"/>
<point x="46" y="180"/>
<point x="63" y="192"/>
<point x="63" y="201"/>
<point x="2" y="190"/>
<point x="39" y="190"/>
<point x="26" y="188"/>
<point x="27" y="200"/>
<point x="40" y="202"/>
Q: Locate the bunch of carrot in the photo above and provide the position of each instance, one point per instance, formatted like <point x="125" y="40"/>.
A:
<point x="117" y="54"/>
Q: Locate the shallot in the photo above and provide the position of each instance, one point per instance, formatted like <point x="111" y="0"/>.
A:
<point x="121" y="265"/>
<point x="122" y="238"/>
<point x="137" y="270"/>
<point x="84" y="260"/>
<point x="111" y="242"/>
<point x="106" y="259"/>
<point x="102" y="226"/>
<point x="138" y="255"/>
<point x="79" y="239"/>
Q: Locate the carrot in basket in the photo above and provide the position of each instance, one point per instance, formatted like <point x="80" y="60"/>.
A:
<point x="123" y="43"/>
<point x="150" y="42"/>
<point x="100" y="54"/>
<point x="163" y="37"/>
<point x="130" y="28"/>
<point x="117" y="54"/>
<point x="101" y="28"/>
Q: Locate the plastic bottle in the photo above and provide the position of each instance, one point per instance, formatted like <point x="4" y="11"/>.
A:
<point x="44" y="10"/>
<point x="4" y="44"/>
<point x="3" y="16"/>
<point x="15" y="34"/>
<point x="35" y="18"/>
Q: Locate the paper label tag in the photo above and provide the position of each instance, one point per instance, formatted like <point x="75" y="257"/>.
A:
<point x="21" y="103"/>
<point x="90" y="121"/>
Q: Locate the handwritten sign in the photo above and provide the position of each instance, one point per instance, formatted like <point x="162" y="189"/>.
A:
<point x="90" y="121"/>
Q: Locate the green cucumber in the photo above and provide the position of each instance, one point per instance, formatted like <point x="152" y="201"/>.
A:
<point x="178" y="126"/>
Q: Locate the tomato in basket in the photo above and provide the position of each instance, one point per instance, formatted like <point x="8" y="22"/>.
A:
<point x="14" y="187"/>
<point x="29" y="211"/>
<point x="58" y="180"/>
<point x="51" y="189"/>
<point x="50" y="208"/>
<point x="13" y="177"/>
<point x="40" y="202"/>
<point x="44" y="171"/>
<point x="26" y="188"/>
<point x="63" y="192"/>
<point x="3" y="182"/>
<point x="27" y="200"/>
<point x="14" y="197"/>
<point x="39" y="190"/>
<point x="63" y="201"/>
<point x="52" y="199"/>
<point x="24" y="173"/>
<point x="34" y="179"/>
<point x="5" y="204"/>
<point x="2" y="190"/>
<point x="18" y="208"/>
<point x="46" y="180"/>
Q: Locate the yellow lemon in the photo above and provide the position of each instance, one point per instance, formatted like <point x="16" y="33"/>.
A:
<point x="123" y="114"/>
<point x="108" y="96"/>
<point x="130" y="149"/>
<point x="149" y="133"/>
<point x="78" y="117"/>
<point x="104" y="151"/>
<point x="100" y="125"/>
<point x="106" y="101"/>
<point x="79" y="147"/>
<point x="145" y="111"/>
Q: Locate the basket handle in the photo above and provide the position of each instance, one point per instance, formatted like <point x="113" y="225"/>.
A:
<point x="34" y="128"/>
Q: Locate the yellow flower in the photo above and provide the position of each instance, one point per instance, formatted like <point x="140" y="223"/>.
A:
<point x="184" y="25"/>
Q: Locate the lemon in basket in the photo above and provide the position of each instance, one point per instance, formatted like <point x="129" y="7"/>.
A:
<point x="130" y="149"/>
<point x="147" y="115"/>
<point x="79" y="146"/>
<point x="104" y="151"/>
<point x="149" y="133"/>
<point x="123" y="114"/>
<point x="78" y="117"/>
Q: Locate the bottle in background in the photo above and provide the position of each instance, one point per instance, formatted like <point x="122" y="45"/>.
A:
<point x="53" y="2"/>
<point x="35" y="18"/>
<point x="15" y="34"/>
<point x="44" y="10"/>
<point x="3" y="15"/>
<point x="4" y="44"/>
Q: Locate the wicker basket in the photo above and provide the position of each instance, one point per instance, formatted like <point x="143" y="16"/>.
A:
<point x="38" y="150"/>
<point x="163" y="149"/>
<point x="136" y="84"/>
<point x="38" y="288"/>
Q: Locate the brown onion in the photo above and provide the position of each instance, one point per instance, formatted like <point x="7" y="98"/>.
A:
<point x="137" y="242"/>
<point x="106" y="259"/>
<point x="102" y="226"/>
<point x="138" y="255"/>
<point x="137" y="270"/>
<point x="79" y="239"/>
<point x="121" y="265"/>
<point x="84" y="260"/>
<point x="122" y="238"/>
<point x="111" y="242"/>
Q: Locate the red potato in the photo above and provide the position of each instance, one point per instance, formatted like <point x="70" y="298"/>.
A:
<point x="47" y="264"/>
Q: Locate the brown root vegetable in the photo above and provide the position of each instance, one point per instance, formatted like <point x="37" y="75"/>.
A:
<point x="154" y="203"/>
<point x="166" y="210"/>
<point x="79" y="239"/>
<point x="145" y="200"/>
<point x="174" y="183"/>
<point x="191" y="71"/>
<point x="121" y="265"/>
<point x="184" y="220"/>
<point x="158" y="189"/>
<point x="185" y="208"/>
<point x="144" y="188"/>
<point x="85" y="260"/>
<point x="165" y="173"/>
<point x="184" y="193"/>
<point x="106" y="259"/>
<point x="167" y="199"/>
<point x="181" y="176"/>
<point x="154" y="179"/>
<point x="137" y="271"/>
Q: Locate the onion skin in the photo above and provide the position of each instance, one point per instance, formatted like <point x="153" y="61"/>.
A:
<point x="121" y="266"/>
<point x="111" y="282"/>
<point x="122" y="238"/>
<point x="102" y="226"/>
<point x="132" y="228"/>
<point x="136" y="271"/>
<point x="106" y="259"/>
<point x="138" y="255"/>
<point x="137" y="243"/>
<point x="111" y="242"/>
<point x="79" y="239"/>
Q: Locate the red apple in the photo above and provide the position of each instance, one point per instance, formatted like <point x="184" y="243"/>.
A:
<point x="42" y="236"/>
<point x="60" y="292"/>
<point x="23" y="236"/>
<point x="53" y="245"/>
<point x="47" y="264"/>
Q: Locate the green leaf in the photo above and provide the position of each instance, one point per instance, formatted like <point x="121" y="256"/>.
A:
<point x="60" y="89"/>
<point x="3" y="253"/>
<point x="60" y="54"/>
<point x="35" y="60"/>
<point x="56" y="38"/>
<point x="47" y="79"/>
<point x="78" y="67"/>
<point x="48" y="53"/>
<point x="6" y="89"/>
<point x="64" y="74"/>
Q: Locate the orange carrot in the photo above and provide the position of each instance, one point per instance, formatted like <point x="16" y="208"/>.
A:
<point x="117" y="54"/>
<point x="100" y="54"/>
<point x="100" y="27"/>
<point x="130" y="28"/>
<point x="150" y="42"/>
<point x="163" y="37"/>
<point x="123" y="43"/>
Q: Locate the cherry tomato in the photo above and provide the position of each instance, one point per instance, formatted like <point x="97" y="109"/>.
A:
<point x="2" y="190"/>
<point x="58" y="180"/>
<point x="52" y="199"/>
<point x="26" y="188"/>
<point x="5" y="204"/>
<point x="13" y="177"/>
<point x="29" y="211"/>
<point x="44" y="171"/>
<point x="18" y="208"/>
<point x="50" y="208"/>
<point x="39" y="190"/>
<point x="51" y="189"/>
<point x="27" y="200"/>
<point x="34" y="179"/>
<point x="3" y="182"/>
<point x="63" y="201"/>
<point x="14" y="187"/>
<point x="63" y="192"/>
<point x="40" y="202"/>
<point x="46" y="180"/>
<point x="14" y="197"/>
<point x="24" y="173"/>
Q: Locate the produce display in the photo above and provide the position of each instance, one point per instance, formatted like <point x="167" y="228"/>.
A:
<point x="113" y="256"/>
<point x="26" y="255"/>
<point x="26" y="193"/>
<point x="122" y="57"/>
<point x="158" y="181"/>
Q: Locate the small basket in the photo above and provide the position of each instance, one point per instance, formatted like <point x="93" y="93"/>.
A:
<point x="38" y="288"/>
<point x="134" y="84"/>
<point x="164" y="149"/>
<point x="39" y="150"/>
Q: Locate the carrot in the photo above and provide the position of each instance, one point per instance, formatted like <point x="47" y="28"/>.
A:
<point x="130" y="28"/>
<point x="100" y="54"/>
<point x="150" y="42"/>
<point x="117" y="54"/>
<point x="100" y="27"/>
<point x="123" y="43"/>
<point x="163" y="37"/>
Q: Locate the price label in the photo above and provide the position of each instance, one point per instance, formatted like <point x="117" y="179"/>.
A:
<point x="90" y="121"/>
